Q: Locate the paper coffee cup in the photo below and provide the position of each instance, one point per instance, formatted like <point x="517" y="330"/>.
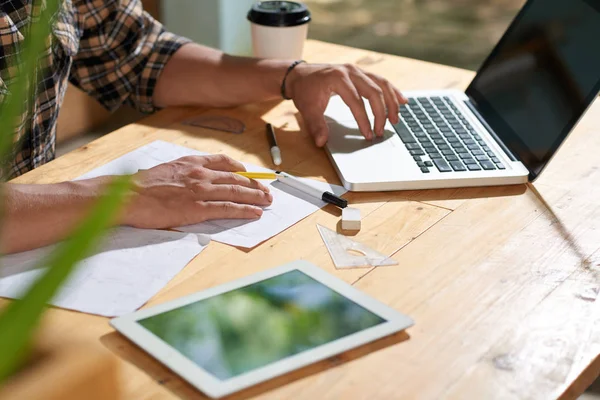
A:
<point x="279" y="29"/>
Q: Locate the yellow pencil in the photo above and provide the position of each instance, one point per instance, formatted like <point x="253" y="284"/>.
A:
<point x="258" y="175"/>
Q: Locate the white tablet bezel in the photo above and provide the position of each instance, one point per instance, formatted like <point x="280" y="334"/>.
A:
<point x="216" y="388"/>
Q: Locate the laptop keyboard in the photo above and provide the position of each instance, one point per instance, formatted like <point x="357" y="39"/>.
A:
<point x="437" y="135"/>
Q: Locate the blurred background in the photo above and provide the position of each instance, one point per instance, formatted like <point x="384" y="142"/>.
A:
<point x="453" y="32"/>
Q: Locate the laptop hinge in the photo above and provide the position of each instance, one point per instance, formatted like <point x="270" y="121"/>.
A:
<point x="491" y="131"/>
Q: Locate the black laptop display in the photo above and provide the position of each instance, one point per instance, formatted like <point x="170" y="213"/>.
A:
<point x="541" y="77"/>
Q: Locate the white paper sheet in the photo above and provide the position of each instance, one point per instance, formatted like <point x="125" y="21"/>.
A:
<point x="130" y="267"/>
<point x="289" y="205"/>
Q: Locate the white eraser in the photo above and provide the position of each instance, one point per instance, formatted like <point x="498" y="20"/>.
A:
<point x="351" y="219"/>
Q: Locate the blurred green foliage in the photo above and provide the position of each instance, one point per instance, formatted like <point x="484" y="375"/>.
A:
<point x="253" y="326"/>
<point x="20" y="318"/>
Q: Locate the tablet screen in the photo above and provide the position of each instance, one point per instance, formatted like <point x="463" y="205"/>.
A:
<point x="250" y="327"/>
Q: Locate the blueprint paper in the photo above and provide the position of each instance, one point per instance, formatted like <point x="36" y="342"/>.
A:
<point x="130" y="267"/>
<point x="289" y="205"/>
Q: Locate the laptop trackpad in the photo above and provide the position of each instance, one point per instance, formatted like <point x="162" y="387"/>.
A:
<point x="362" y="160"/>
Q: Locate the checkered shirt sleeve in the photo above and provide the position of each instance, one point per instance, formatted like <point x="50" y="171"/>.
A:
<point x="122" y="51"/>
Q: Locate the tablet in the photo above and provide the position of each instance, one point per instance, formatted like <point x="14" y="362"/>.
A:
<point x="236" y="335"/>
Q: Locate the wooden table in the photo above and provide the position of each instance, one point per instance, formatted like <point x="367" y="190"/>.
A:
<point x="502" y="282"/>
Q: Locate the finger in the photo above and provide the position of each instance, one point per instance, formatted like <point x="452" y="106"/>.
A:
<point x="370" y="90"/>
<point x="317" y="127"/>
<point x="228" y="210"/>
<point x="347" y="91"/>
<point x="228" y="178"/>
<point x="236" y="194"/>
<point x="391" y="99"/>
<point x="401" y="97"/>
<point x="219" y="162"/>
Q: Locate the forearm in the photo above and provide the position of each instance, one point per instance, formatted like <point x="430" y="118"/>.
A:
<point x="38" y="215"/>
<point x="198" y="75"/>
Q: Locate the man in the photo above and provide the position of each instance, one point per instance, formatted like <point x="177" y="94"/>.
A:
<point x="118" y="54"/>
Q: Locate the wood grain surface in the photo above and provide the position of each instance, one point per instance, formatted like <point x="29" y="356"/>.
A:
<point x="502" y="282"/>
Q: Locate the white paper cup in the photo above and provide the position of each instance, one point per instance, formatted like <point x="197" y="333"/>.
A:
<point x="279" y="29"/>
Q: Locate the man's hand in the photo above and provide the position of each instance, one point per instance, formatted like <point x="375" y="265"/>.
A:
<point x="194" y="189"/>
<point x="311" y="86"/>
<point x="198" y="75"/>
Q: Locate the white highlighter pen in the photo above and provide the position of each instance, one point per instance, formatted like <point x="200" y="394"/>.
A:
<point x="275" y="151"/>
<point x="296" y="183"/>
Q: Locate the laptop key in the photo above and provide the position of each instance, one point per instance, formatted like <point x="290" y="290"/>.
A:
<point x="442" y="165"/>
<point x="474" y="167"/>
<point x="428" y="164"/>
<point x="488" y="165"/>
<point x="452" y="157"/>
<point x="482" y="158"/>
<point x="469" y="161"/>
<point x="499" y="165"/>
<point x="421" y="164"/>
<point x="478" y="152"/>
<point x="425" y="170"/>
<point x="457" y="166"/>
<point x="447" y="152"/>
<point x="417" y="158"/>
<point x="435" y="154"/>
<point x="417" y="152"/>
<point x="472" y="147"/>
<point x="495" y="160"/>
<point x="403" y="132"/>
<point x="413" y="146"/>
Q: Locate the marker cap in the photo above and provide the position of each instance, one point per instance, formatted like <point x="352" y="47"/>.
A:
<point x="331" y="198"/>
<point x="276" y="155"/>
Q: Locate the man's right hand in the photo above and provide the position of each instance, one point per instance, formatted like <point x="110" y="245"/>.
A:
<point x="194" y="189"/>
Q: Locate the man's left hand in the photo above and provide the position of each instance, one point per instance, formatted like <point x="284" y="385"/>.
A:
<point x="311" y="86"/>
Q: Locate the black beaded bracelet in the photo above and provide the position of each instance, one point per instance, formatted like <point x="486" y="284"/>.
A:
<point x="291" y="67"/>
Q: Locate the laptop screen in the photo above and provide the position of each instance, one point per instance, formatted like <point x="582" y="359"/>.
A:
<point x="541" y="77"/>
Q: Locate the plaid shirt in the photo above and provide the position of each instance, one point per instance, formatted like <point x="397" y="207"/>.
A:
<point x="111" y="49"/>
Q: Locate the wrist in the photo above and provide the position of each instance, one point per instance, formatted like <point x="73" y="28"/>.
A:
<point x="289" y="80"/>
<point x="91" y="190"/>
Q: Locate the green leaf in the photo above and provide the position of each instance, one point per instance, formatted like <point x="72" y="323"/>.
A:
<point x="20" y="318"/>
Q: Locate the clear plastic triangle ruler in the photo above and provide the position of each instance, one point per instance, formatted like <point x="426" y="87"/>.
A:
<point x="346" y="253"/>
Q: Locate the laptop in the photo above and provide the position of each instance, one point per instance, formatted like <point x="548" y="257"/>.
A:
<point x="526" y="98"/>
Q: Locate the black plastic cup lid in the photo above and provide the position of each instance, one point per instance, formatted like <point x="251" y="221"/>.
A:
<point x="279" y="13"/>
